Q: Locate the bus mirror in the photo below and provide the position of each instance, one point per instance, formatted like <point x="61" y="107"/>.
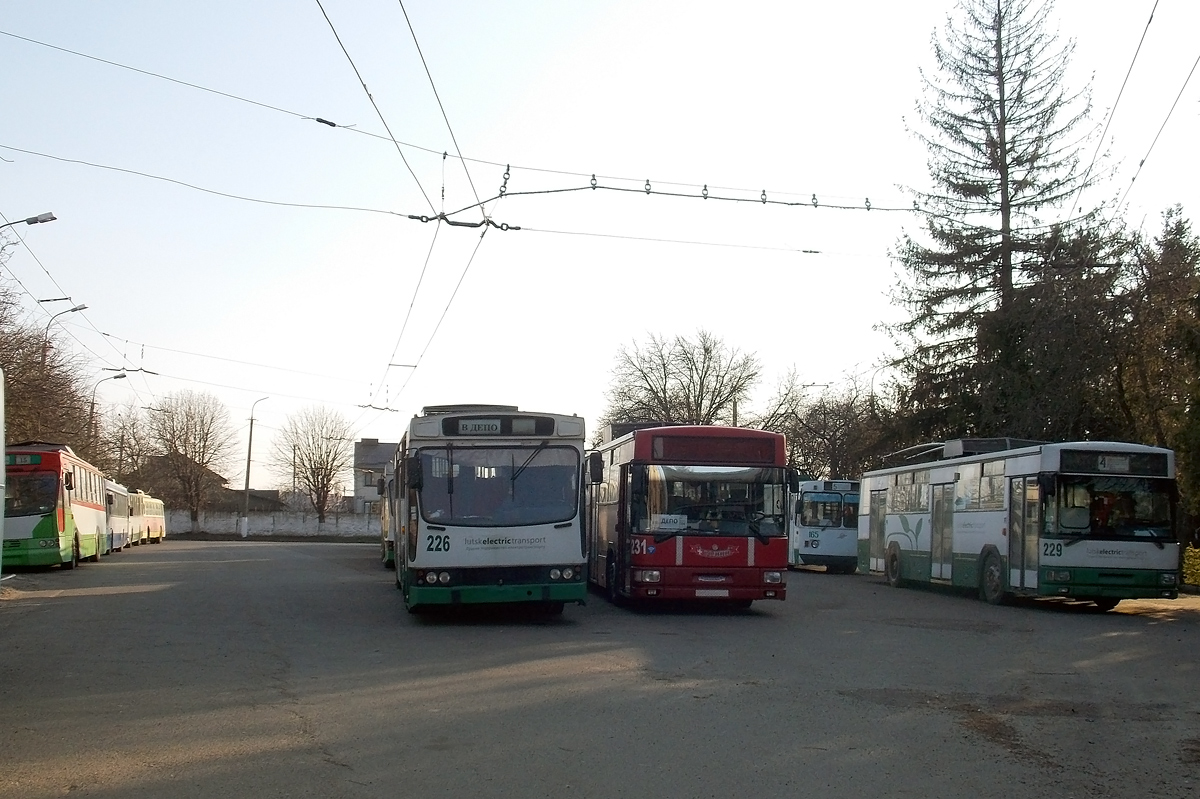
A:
<point x="379" y="487"/>
<point x="69" y="481"/>
<point x="415" y="479"/>
<point x="793" y="480"/>
<point x="595" y="467"/>
<point x="108" y="499"/>
<point x="1046" y="484"/>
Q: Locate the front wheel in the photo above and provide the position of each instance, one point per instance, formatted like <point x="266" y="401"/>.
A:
<point x="991" y="580"/>
<point x="610" y="588"/>
<point x="74" y="561"/>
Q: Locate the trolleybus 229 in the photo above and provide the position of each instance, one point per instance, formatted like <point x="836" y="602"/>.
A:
<point x="1091" y="520"/>
<point x="488" y="508"/>
<point x="53" y="506"/>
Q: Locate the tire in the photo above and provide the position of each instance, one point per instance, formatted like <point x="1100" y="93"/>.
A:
<point x="74" y="561"/>
<point x="610" y="587"/>
<point x="553" y="608"/>
<point x="741" y="604"/>
<point x="1105" y="603"/>
<point x="991" y="580"/>
<point x="891" y="566"/>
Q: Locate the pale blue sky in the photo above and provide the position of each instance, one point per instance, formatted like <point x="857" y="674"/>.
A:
<point x="794" y="98"/>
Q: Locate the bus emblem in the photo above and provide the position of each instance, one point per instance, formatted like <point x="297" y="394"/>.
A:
<point x="716" y="551"/>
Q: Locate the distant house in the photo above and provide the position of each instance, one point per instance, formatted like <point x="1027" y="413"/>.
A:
<point x="231" y="500"/>
<point x="369" y="458"/>
<point x="155" y="478"/>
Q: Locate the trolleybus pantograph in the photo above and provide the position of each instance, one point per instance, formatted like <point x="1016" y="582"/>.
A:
<point x="487" y="508"/>
<point x="54" y="507"/>
<point x="688" y="513"/>
<point x="1091" y="520"/>
<point x="823" y="525"/>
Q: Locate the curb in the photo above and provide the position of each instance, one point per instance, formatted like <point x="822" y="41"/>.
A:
<point x="321" y="539"/>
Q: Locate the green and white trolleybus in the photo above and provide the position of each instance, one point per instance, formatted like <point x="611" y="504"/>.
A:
<point x="488" y="508"/>
<point x="823" y="525"/>
<point x="1091" y="520"/>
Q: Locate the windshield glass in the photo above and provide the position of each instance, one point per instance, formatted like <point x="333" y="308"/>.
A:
<point x="499" y="486"/>
<point x="1114" y="507"/>
<point x="30" y="494"/>
<point x="715" y="500"/>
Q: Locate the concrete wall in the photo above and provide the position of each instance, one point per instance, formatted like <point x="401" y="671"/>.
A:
<point x="268" y="524"/>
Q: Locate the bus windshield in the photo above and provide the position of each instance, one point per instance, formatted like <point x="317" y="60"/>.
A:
<point x="30" y="493"/>
<point x="499" y="486"/>
<point x="714" y="500"/>
<point x="1114" y="507"/>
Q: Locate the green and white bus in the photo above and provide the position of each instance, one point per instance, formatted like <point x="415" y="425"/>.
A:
<point x="53" y="506"/>
<point x="1092" y="520"/>
<point x="487" y="503"/>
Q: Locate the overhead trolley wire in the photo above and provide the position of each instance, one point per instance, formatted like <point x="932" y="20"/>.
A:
<point x="373" y="104"/>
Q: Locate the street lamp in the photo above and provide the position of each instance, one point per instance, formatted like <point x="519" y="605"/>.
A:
<point x="92" y="411"/>
<point x="33" y="220"/>
<point x="244" y="524"/>
<point x="46" y="338"/>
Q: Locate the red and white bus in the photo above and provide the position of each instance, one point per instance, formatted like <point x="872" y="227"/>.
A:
<point x="53" y="506"/>
<point x="688" y="512"/>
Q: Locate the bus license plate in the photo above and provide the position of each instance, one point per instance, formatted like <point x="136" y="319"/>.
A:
<point x="712" y="592"/>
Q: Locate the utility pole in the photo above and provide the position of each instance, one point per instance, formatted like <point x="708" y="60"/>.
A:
<point x="244" y="524"/>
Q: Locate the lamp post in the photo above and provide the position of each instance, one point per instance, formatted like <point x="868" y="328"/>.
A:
<point x="46" y="338"/>
<point x="92" y="410"/>
<point x="244" y="524"/>
<point x="33" y="220"/>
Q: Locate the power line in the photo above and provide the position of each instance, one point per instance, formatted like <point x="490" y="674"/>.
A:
<point x="441" y="107"/>
<point x="1156" y="135"/>
<point x="373" y="105"/>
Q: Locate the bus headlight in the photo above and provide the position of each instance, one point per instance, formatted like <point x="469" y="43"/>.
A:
<point x="773" y="577"/>
<point x="555" y="574"/>
<point x="1058" y="576"/>
<point x="1166" y="579"/>
<point x="647" y="575"/>
<point x="444" y="578"/>
<point x="568" y="573"/>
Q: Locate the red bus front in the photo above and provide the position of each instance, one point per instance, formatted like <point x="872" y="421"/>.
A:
<point x="696" y="513"/>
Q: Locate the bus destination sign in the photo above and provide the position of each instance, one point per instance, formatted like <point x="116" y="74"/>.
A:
<point x="479" y="427"/>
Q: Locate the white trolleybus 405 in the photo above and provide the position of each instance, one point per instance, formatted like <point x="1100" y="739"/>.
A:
<point x="1090" y="520"/>
<point x="488" y="508"/>
<point x="823" y="525"/>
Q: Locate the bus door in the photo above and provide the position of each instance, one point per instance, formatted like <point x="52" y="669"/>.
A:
<point x="1023" y="527"/>
<point x="877" y="531"/>
<point x="941" y="532"/>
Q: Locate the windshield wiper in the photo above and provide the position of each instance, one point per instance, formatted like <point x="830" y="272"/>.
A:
<point x="517" y="472"/>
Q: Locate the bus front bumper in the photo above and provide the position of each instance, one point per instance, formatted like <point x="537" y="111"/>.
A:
<point x="35" y="552"/>
<point x="485" y="594"/>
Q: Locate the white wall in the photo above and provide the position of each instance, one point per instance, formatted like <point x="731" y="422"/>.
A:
<point x="283" y="523"/>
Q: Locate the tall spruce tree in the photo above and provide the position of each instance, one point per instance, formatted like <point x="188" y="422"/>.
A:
<point x="1003" y="137"/>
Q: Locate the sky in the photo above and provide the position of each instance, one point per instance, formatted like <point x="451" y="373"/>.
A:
<point x="225" y="241"/>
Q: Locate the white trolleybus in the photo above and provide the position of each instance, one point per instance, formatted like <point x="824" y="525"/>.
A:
<point x="488" y="508"/>
<point x="823" y="525"/>
<point x="1088" y="520"/>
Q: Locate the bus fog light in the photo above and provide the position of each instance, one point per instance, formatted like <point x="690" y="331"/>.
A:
<point x="648" y="575"/>
<point x="555" y="574"/>
<point x="772" y="577"/>
<point x="1166" y="579"/>
<point x="444" y="577"/>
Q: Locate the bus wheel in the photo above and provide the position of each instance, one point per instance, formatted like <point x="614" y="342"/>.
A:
<point x="611" y="586"/>
<point x="96" y="557"/>
<point x="74" y="561"/>
<point x="553" y="608"/>
<point x="991" y="580"/>
<point x="741" y="604"/>
<point x="1105" y="603"/>
<point x="891" y="566"/>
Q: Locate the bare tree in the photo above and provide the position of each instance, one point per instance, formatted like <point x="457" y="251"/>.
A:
<point x="317" y="444"/>
<point x="124" y="442"/>
<point x="191" y="432"/>
<point x="46" y="395"/>
<point x="686" y="381"/>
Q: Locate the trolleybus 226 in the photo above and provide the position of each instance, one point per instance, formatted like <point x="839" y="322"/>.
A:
<point x="488" y="508"/>
<point x="1091" y="520"/>
<point x="689" y="512"/>
<point x="823" y="525"/>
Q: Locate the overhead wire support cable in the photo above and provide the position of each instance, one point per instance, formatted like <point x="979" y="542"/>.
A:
<point x="378" y="113"/>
